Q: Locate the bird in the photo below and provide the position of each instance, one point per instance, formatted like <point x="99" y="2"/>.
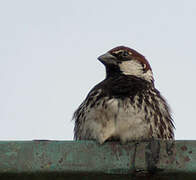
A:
<point x="125" y="106"/>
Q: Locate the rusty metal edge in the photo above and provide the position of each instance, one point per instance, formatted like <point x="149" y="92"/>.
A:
<point x="78" y="157"/>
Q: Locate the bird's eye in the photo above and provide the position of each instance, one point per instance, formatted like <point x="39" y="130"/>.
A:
<point x="124" y="53"/>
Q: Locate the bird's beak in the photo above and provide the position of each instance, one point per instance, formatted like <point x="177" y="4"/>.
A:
<point x="107" y="59"/>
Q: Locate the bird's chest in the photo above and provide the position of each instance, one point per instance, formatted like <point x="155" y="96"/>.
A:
<point x="124" y="119"/>
<point x="118" y="109"/>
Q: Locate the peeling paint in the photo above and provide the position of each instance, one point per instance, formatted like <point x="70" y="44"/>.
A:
<point x="152" y="152"/>
<point x="78" y="157"/>
<point x="186" y="159"/>
<point x="184" y="148"/>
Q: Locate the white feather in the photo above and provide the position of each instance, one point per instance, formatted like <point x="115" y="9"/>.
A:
<point x="135" y="68"/>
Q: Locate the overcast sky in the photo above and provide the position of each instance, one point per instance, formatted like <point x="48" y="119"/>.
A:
<point x="49" y="50"/>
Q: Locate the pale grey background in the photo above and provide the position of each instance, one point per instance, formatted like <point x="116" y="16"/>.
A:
<point x="48" y="52"/>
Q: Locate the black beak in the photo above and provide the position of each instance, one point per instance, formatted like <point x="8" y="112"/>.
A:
<point x="108" y="59"/>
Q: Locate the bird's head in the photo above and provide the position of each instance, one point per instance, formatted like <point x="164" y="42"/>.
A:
<point x="127" y="61"/>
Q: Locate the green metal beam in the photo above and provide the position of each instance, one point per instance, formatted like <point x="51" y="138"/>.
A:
<point x="89" y="160"/>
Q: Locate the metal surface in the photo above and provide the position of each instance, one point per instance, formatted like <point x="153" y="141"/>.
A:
<point x="89" y="160"/>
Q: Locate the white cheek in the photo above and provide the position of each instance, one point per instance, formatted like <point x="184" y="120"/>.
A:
<point x="134" y="68"/>
<point x="148" y="75"/>
<point x="131" y="67"/>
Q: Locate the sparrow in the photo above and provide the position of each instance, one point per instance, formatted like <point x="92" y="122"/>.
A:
<point x="125" y="106"/>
